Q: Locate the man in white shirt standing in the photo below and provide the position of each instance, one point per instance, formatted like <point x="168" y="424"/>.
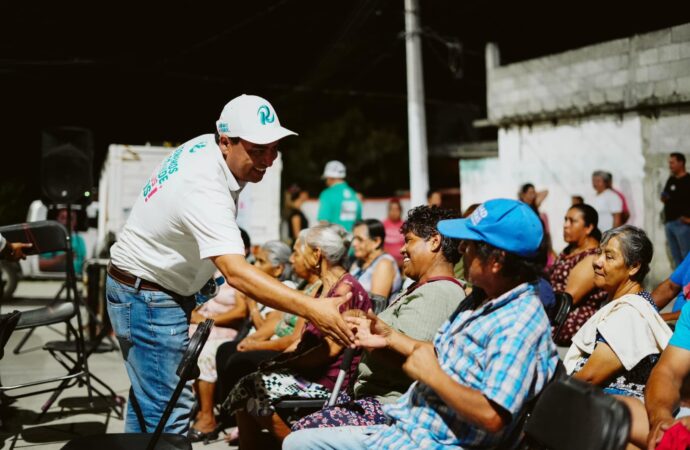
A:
<point x="181" y="229"/>
<point x="608" y="204"/>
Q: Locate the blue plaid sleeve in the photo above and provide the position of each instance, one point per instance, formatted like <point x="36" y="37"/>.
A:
<point x="511" y="363"/>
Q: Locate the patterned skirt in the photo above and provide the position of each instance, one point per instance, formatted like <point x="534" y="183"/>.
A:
<point x="362" y="412"/>
<point x="258" y="392"/>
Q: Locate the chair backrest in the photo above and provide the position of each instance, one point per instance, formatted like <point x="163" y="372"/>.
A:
<point x="378" y="302"/>
<point x="571" y="414"/>
<point x="514" y="438"/>
<point x="45" y="235"/>
<point x="187" y="370"/>
<point x="7" y="324"/>
<point x="244" y="329"/>
<point x="559" y="311"/>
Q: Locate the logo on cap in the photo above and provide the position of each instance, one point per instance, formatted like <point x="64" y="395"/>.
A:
<point x="223" y="127"/>
<point x="478" y="215"/>
<point x="265" y="115"/>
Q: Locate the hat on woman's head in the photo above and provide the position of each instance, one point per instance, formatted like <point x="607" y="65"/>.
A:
<point x="507" y="224"/>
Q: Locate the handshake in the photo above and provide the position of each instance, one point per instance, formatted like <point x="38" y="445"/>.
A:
<point x="370" y="331"/>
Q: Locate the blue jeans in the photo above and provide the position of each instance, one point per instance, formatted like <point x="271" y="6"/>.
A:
<point x="337" y="438"/>
<point x="678" y="237"/>
<point x="152" y="330"/>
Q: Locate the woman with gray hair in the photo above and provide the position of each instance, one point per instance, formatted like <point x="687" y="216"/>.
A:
<point x="311" y="369"/>
<point x="272" y="258"/>
<point x="620" y="344"/>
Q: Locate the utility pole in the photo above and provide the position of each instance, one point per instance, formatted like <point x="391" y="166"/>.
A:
<point x="416" y="115"/>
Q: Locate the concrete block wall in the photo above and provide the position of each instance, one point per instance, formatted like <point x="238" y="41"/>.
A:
<point x="644" y="70"/>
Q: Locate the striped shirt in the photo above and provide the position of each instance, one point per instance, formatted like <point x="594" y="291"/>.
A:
<point x="502" y="349"/>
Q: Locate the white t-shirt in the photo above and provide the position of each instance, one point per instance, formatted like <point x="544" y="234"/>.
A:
<point x="185" y="214"/>
<point x="607" y="204"/>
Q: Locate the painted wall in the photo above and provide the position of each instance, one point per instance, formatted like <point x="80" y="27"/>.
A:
<point x="561" y="159"/>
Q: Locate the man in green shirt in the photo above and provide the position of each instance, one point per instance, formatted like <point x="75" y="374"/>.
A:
<point x="338" y="203"/>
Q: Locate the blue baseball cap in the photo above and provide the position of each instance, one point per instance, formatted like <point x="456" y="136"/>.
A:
<point x="507" y="224"/>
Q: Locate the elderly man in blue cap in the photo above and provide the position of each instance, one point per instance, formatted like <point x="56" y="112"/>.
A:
<point x="492" y="355"/>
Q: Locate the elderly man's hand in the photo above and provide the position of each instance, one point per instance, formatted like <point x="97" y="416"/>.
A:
<point x="422" y="361"/>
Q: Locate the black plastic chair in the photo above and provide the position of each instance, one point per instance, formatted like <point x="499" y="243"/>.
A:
<point x="559" y="311"/>
<point x="8" y="323"/>
<point x="573" y="415"/>
<point x="51" y="236"/>
<point x="187" y="371"/>
<point x="291" y="409"/>
<point x="516" y="435"/>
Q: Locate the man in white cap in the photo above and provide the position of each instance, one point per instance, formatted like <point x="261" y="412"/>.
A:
<point x="338" y="203"/>
<point x="181" y="229"/>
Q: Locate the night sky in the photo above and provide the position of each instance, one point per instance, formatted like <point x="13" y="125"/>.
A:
<point x="139" y="72"/>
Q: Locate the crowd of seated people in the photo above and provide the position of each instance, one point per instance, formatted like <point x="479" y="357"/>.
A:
<point x="311" y="369"/>
<point x="229" y="309"/>
<point x="438" y="369"/>
<point x="487" y="360"/>
<point x="237" y="359"/>
<point x="418" y="312"/>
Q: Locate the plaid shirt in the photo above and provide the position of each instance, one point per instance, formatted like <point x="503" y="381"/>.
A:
<point x="502" y="349"/>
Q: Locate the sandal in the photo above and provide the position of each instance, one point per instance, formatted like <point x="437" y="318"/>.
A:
<point x="199" y="436"/>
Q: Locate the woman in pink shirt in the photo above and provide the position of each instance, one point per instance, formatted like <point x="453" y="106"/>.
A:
<point x="394" y="238"/>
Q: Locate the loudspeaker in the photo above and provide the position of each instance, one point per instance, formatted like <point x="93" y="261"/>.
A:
<point x="66" y="165"/>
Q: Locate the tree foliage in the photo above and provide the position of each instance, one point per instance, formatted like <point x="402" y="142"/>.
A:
<point x="375" y="156"/>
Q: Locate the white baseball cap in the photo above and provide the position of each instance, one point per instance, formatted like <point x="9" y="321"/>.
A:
<point x="253" y="119"/>
<point x="334" y="169"/>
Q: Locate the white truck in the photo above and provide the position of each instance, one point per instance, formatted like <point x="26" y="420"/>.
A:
<point x="124" y="174"/>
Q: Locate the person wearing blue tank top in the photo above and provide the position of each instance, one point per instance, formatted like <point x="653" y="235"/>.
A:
<point x="376" y="270"/>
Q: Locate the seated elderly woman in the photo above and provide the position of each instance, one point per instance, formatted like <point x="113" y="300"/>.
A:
<point x="238" y="359"/>
<point x="376" y="270"/>
<point x="620" y="344"/>
<point x="311" y="370"/>
<point x="428" y="259"/>
<point x="273" y="258"/>
<point x="572" y="272"/>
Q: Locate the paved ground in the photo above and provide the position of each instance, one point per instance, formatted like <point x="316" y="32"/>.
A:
<point x="70" y="416"/>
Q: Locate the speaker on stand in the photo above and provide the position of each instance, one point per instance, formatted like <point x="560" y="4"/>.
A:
<point x="66" y="166"/>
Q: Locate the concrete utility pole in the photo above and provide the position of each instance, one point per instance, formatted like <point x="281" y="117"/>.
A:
<point x="416" y="115"/>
